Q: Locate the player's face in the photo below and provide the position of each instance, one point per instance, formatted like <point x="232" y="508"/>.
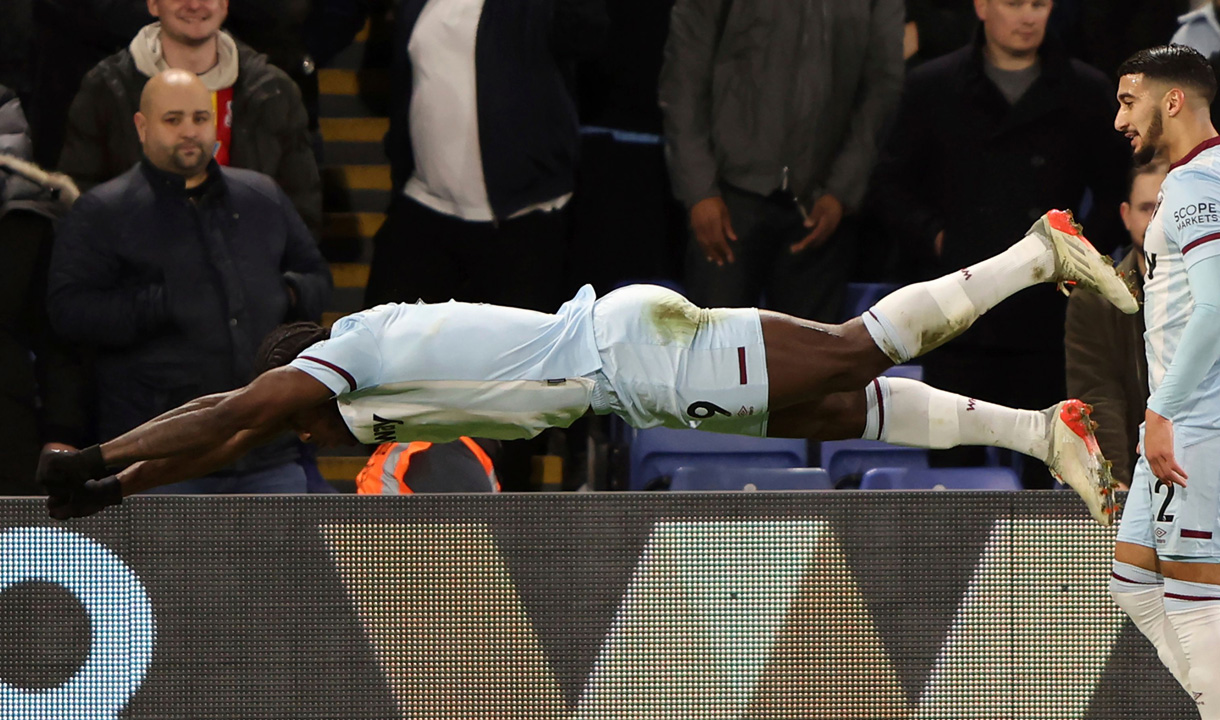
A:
<point x="1016" y="27"/>
<point x="190" y="22"/>
<point x="323" y="426"/>
<point x="1139" y="116"/>
<point x="1137" y="211"/>
<point x="179" y="130"/>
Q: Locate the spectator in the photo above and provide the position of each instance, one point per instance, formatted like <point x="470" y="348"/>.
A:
<point x="986" y="140"/>
<point x="482" y="147"/>
<point x="1200" y="29"/>
<point x="460" y="466"/>
<point x="261" y="122"/>
<point x="1106" y="365"/>
<point x="173" y="273"/>
<point x="29" y="202"/>
<point x="773" y="113"/>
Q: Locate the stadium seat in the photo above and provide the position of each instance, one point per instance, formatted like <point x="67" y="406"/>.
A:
<point x="862" y="296"/>
<point x="658" y="452"/>
<point x="730" y="478"/>
<point x="981" y="478"/>
<point x="857" y="461"/>
<point x="911" y="372"/>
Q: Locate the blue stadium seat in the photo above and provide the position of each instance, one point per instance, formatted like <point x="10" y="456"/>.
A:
<point x="981" y="478"/>
<point x="862" y="296"/>
<point x="658" y="452"/>
<point x="845" y="463"/>
<point x="730" y="478"/>
<point x="911" y="372"/>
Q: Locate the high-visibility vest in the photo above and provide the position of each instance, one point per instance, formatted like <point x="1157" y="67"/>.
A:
<point x="386" y="471"/>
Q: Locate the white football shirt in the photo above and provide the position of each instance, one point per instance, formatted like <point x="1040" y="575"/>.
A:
<point x="1185" y="228"/>
<point x="435" y="372"/>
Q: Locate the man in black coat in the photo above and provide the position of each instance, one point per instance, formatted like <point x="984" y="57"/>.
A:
<point x="482" y="145"/>
<point x="175" y="271"/>
<point x="986" y="140"/>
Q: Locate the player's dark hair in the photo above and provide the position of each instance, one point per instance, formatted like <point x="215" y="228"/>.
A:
<point x="286" y="342"/>
<point x="1176" y="64"/>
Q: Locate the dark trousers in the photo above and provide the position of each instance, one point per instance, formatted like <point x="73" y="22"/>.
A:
<point x="810" y="284"/>
<point x="420" y="254"/>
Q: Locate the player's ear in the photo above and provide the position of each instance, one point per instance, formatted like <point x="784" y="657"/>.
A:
<point x="1174" y="101"/>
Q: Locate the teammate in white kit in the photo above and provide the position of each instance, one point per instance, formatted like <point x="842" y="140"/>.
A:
<point x="1166" y="573"/>
<point x="436" y="372"/>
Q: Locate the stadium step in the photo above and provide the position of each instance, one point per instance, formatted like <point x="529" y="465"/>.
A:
<point x="355" y="194"/>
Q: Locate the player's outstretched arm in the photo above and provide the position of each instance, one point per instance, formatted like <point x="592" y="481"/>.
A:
<point x="265" y="405"/>
<point x="148" y="474"/>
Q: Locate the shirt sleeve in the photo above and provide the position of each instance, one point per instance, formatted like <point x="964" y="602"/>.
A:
<point x="1194" y="216"/>
<point x="1199" y="349"/>
<point x="350" y="360"/>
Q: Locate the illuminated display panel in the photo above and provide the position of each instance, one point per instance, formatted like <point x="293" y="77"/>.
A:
<point x="936" y="606"/>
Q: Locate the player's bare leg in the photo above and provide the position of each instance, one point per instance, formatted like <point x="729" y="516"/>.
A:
<point x="1137" y="586"/>
<point x="823" y="386"/>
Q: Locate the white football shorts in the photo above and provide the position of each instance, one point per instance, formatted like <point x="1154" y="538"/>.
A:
<point x="666" y="361"/>
<point x="1182" y="524"/>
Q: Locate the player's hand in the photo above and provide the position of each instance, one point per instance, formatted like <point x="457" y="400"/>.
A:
<point x="1158" y="449"/>
<point x="822" y="222"/>
<point x="91" y="497"/>
<point x="62" y="471"/>
<point x="713" y="227"/>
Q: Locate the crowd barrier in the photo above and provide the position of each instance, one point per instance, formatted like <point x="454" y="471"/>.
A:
<point x="810" y="606"/>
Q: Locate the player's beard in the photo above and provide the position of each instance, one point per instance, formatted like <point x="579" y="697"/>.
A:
<point x="1148" y="148"/>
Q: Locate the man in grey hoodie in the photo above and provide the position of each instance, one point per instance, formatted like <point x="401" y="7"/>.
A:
<point x="773" y="113"/>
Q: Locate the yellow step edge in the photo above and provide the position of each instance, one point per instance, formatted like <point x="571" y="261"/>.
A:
<point x="370" y="129"/>
<point x="366" y="177"/>
<point x="338" y="82"/>
<point x="330" y="318"/>
<point x="341" y="468"/>
<point x="358" y="224"/>
<point x="350" y="275"/>
<point x="363" y="35"/>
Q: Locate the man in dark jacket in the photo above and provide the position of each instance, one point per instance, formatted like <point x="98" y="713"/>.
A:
<point x="1106" y="364"/>
<point x="986" y="139"/>
<point x="773" y="112"/>
<point x="261" y="121"/>
<point x="174" y="271"/>
<point x="482" y="145"/>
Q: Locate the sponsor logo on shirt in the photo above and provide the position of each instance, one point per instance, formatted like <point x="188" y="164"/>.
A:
<point x="1196" y="214"/>
<point x="385" y="430"/>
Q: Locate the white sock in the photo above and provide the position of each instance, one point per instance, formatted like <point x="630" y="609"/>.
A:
<point x="1194" y="612"/>
<point x="1141" y="594"/>
<point x="907" y="412"/>
<point x="917" y="318"/>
